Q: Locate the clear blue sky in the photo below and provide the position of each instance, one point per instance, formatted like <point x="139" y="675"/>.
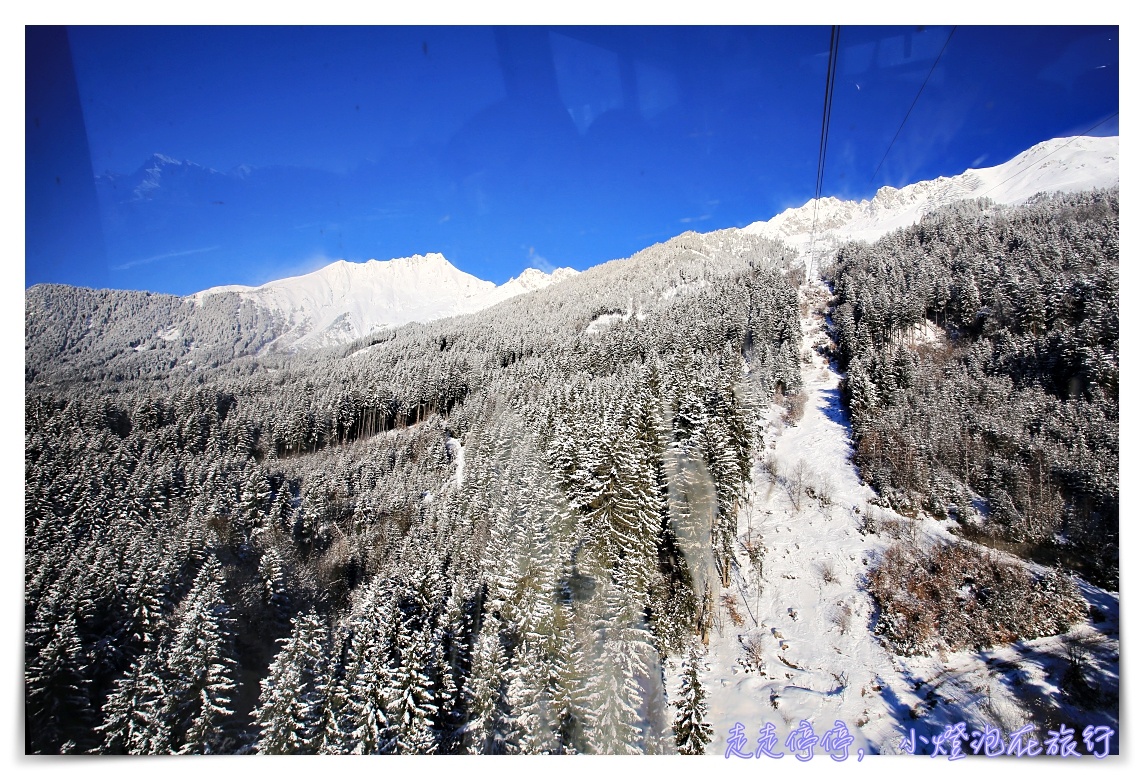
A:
<point x="501" y="148"/>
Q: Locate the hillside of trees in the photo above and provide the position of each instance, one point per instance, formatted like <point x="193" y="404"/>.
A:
<point x="489" y="533"/>
<point x="478" y="535"/>
<point x="79" y="334"/>
<point x="981" y="347"/>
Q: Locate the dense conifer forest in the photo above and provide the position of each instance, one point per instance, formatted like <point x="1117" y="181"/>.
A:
<point x="490" y="533"/>
<point x="482" y="534"/>
<point x="981" y="349"/>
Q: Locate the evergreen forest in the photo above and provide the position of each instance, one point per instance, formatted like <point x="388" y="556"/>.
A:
<point x="497" y="533"/>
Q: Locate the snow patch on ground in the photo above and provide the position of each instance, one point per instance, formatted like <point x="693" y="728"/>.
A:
<point x="456" y="452"/>
<point x="924" y="333"/>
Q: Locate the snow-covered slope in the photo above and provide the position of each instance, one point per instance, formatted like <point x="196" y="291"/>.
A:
<point x="793" y="639"/>
<point x="799" y="643"/>
<point x="345" y="301"/>
<point x="1058" y="165"/>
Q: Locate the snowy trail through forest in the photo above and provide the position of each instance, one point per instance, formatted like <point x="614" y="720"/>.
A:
<point x="794" y="637"/>
<point x="812" y="655"/>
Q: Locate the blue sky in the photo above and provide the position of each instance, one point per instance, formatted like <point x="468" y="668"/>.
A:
<point x="501" y="148"/>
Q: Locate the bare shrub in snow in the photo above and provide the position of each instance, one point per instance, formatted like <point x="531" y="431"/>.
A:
<point x="755" y="553"/>
<point x="826" y="569"/>
<point x="900" y="528"/>
<point x="752" y="659"/>
<point x="840" y="616"/>
<point x="732" y="608"/>
<point x="770" y="465"/>
<point x="824" y="491"/>
<point x="1074" y="683"/>
<point x="793" y="408"/>
<point x="870" y="523"/>
<point x="797" y="482"/>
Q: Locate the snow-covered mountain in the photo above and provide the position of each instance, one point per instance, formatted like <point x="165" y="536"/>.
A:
<point x="1057" y="165"/>
<point x="345" y="301"/>
<point x="157" y="175"/>
<point x="405" y="454"/>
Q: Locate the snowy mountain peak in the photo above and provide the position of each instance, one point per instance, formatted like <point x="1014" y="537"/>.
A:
<point x="532" y="276"/>
<point x="159" y="173"/>
<point x="1058" y="165"/>
<point x="430" y="258"/>
<point x="344" y="300"/>
<point x="157" y="163"/>
<point x="534" y="279"/>
<point x="161" y="159"/>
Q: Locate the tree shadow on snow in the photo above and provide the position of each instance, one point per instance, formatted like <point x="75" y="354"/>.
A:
<point x="833" y="409"/>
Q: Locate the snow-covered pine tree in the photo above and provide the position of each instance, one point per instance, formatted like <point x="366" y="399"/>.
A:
<point x="202" y="668"/>
<point x="57" y="691"/>
<point x="453" y="637"/>
<point x="692" y="732"/>
<point x="488" y="729"/>
<point x="289" y="707"/>
<point x="570" y="683"/>
<point x="412" y="703"/>
<point x="136" y="720"/>
<point x="626" y="659"/>
<point x="369" y="688"/>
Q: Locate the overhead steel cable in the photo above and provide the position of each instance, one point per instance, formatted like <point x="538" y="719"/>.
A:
<point x="827" y="104"/>
<point x="911" y="109"/>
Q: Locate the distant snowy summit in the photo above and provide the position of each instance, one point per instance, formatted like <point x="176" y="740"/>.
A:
<point x="344" y="301"/>
<point x="1060" y="165"/>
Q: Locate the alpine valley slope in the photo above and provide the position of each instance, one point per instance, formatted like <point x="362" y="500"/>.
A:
<point x="794" y="643"/>
<point x="344" y="301"/>
<point x="792" y="638"/>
